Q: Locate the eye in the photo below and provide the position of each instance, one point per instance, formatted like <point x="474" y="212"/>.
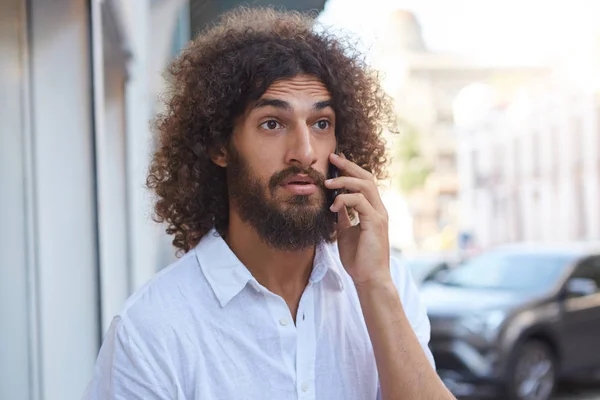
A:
<point x="323" y="124"/>
<point x="270" y="125"/>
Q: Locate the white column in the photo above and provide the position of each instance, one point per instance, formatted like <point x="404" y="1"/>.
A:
<point x="18" y="304"/>
<point x="64" y="196"/>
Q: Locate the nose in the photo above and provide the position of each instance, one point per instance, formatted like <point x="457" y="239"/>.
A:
<point x="300" y="147"/>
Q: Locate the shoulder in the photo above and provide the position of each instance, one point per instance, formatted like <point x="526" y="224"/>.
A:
<point x="147" y="343"/>
<point x="403" y="279"/>
<point x="167" y="298"/>
<point x="413" y="307"/>
<point x="401" y="276"/>
<point x="407" y="289"/>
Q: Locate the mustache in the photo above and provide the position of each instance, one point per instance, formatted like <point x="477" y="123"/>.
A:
<point x="280" y="176"/>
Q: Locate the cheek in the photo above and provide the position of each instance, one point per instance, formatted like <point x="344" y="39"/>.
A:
<point x="257" y="156"/>
<point x="263" y="167"/>
<point x="322" y="164"/>
<point x="268" y="157"/>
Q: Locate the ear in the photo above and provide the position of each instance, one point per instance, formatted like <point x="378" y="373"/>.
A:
<point x="219" y="156"/>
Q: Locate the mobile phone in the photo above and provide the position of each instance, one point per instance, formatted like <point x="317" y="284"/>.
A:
<point x="333" y="172"/>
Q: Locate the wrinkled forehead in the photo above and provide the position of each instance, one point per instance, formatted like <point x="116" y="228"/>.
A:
<point x="298" y="86"/>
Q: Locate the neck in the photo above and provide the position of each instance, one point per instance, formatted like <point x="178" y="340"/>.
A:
<point x="284" y="273"/>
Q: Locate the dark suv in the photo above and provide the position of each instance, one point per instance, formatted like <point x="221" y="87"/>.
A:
<point x="515" y="319"/>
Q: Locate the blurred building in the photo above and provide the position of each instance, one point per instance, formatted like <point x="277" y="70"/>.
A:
<point x="424" y="85"/>
<point x="78" y="82"/>
<point x="530" y="169"/>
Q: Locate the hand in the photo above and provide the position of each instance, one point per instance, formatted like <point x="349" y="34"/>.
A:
<point x="364" y="248"/>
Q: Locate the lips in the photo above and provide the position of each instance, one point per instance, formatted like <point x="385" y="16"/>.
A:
<point x="298" y="180"/>
<point x="299" y="185"/>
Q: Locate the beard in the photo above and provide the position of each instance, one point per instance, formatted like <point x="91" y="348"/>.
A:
<point x="282" y="221"/>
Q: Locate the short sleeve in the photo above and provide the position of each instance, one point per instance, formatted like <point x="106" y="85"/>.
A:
<point x="122" y="370"/>
<point x="413" y="306"/>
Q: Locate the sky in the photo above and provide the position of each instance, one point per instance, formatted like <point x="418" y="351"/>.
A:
<point x="503" y="31"/>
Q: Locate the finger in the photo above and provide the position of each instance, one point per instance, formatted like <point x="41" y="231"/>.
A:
<point x="351" y="184"/>
<point x="349" y="168"/>
<point x="357" y="201"/>
<point x="344" y="220"/>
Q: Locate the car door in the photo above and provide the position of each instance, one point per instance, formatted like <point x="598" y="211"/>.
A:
<point x="581" y="324"/>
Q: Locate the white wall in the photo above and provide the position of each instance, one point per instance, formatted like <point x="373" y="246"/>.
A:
<point x="63" y="154"/>
<point x="15" y="265"/>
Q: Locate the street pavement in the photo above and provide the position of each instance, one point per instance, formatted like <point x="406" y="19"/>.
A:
<point x="579" y="392"/>
<point x="572" y="392"/>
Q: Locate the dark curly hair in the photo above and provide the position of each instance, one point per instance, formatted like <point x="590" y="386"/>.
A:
<point x="222" y="71"/>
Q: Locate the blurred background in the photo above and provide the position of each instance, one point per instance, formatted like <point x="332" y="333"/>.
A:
<point x="493" y="194"/>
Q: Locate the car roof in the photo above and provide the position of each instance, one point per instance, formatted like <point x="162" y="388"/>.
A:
<point x="575" y="249"/>
<point x="430" y="256"/>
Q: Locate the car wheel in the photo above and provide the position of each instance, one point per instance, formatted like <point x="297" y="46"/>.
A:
<point x="532" y="372"/>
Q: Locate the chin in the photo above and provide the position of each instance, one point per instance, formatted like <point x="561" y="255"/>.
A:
<point x="312" y="201"/>
<point x="299" y="206"/>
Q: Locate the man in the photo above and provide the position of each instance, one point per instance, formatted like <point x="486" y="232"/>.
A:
<point x="271" y="299"/>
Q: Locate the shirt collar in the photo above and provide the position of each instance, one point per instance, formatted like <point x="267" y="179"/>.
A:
<point x="327" y="263"/>
<point x="227" y="275"/>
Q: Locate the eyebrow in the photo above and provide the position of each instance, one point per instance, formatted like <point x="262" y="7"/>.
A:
<point x="322" y="105"/>
<point x="284" y="105"/>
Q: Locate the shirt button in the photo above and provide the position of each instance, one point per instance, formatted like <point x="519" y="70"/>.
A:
<point x="305" y="387"/>
<point x="283" y="321"/>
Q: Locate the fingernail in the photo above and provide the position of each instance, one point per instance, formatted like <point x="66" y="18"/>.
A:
<point x="335" y="155"/>
<point x="328" y="181"/>
<point x="331" y="208"/>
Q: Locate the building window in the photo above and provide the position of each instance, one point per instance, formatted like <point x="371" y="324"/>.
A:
<point x="477" y="172"/>
<point x="554" y="146"/>
<point x="580" y="210"/>
<point x="516" y="159"/>
<point x="447" y="162"/>
<point x="576" y="135"/>
<point x="535" y="155"/>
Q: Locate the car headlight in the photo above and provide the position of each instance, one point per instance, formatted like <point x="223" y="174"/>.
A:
<point x="484" y="323"/>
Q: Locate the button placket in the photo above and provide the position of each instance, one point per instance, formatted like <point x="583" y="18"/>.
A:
<point x="306" y="342"/>
<point x="286" y="329"/>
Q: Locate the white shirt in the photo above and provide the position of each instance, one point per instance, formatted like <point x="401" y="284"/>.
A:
<point x="205" y="329"/>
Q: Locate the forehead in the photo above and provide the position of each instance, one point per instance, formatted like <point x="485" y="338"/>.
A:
<point x="300" y="86"/>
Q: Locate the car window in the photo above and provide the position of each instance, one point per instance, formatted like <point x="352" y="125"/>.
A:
<point x="417" y="265"/>
<point x="510" y="271"/>
<point x="590" y="269"/>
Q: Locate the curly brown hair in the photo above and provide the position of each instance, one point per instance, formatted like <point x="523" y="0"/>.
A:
<point x="222" y="71"/>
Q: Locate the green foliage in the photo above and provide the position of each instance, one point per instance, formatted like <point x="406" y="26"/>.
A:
<point x="413" y="170"/>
